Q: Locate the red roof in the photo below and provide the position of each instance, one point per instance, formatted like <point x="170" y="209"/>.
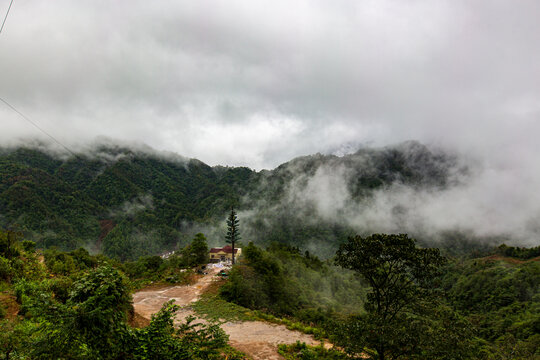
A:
<point x="226" y="249"/>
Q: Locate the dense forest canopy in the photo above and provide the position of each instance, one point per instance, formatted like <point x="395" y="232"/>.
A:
<point x="129" y="203"/>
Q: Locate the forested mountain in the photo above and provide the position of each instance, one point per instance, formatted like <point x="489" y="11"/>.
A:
<point x="129" y="202"/>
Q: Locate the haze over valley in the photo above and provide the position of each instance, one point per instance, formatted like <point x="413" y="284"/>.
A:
<point x="284" y="82"/>
<point x="160" y="200"/>
<point x="269" y="180"/>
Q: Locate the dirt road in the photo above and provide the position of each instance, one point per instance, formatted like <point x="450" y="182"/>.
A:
<point x="256" y="338"/>
<point x="149" y="301"/>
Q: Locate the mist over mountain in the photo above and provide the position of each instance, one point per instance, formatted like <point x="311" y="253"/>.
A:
<point x="129" y="201"/>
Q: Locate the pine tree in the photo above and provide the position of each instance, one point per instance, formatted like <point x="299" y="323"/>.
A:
<point x="233" y="234"/>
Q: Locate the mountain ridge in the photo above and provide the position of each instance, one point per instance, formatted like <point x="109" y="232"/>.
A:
<point x="158" y="199"/>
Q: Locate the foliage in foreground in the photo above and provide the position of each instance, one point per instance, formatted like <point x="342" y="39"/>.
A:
<point x="160" y="340"/>
<point x="501" y="298"/>
<point x="493" y="301"/>
<point x="467" y="309"/>
<point x="78" y="307"/>
<point x="403" y="319"/>
<point x="92" y="324"/>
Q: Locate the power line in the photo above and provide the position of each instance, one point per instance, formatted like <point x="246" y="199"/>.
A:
<point x="37" y="126"/>
<point x="45" y="132"/>
<point x="20" y="113"/>
<point x="5" y="18"/>
<point x="114" y="170"/>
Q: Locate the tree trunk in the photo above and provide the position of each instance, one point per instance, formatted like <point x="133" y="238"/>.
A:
<point x="380" y="351"/>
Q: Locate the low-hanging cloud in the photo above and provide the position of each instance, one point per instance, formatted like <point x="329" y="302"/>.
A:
<point x="245" y="83"/>
<point x="479" y="200"/>
<point x="258" y="83"/>
<point x="134" y="206"/>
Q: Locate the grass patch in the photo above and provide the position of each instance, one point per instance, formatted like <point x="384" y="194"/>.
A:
<point x="213" y="307"/>
<point x="301" y="351"/>
<point x="8" y="306"/>
<point x="317" y="333"/>
<point x="5" y="286"/>
<point x="180" y="278"/>
<point x="230" y="353"/>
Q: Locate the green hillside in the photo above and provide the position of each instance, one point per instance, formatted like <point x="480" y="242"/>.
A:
<point x="74" y="305"/>
<point x="154" y="202"/>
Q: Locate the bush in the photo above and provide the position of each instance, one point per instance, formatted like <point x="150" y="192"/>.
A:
<point x="160" y="340"/>
<point x="61" y="288"/>
<point x="301" y="351"/>
<point x="28" y="246"/>
<point x="6" y="271"/>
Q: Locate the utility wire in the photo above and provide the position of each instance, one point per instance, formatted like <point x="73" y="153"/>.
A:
<point x="43" y="130"/>
<point x="5" y="18"/>
<point x="112" y="168"/>
<point x="37" y="126"/>
<point x="20" y="113"/>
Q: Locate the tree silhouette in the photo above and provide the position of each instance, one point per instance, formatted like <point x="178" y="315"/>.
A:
<point x="400" y="276"/>
<point x="233" y="234"/>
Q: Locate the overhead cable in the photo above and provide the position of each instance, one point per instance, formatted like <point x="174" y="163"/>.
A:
<point x="112" y="168"/>
<point x="5" y="18"/>
<point x="37" y="126"/>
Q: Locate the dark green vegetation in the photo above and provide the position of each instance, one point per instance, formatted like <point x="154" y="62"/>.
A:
<point x="301" y="351"/>
<point x="78" y="306"/>
<point x="283" y="281"/>
<point x="407" y="303"/>
<point x="391" y="301"/>
<point x="500" y="297"/>
<point x="75" y="305"/>
<point x="146" y="200"/>
<point x="517" y="252"/>
<point x="403" y="318"/>
<point x="128" y="203"/>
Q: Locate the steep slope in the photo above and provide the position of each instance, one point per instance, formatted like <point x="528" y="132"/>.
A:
<point x="158" y="200"/>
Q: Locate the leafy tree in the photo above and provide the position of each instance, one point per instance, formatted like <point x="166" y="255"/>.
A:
<point x="233" y="233"/>
<point x="6" y="271"/>
<point x="401" y="276"/>
<point x="198" y="250"/>
<point x="8" y="244"/>
<point x="90" y="324"/>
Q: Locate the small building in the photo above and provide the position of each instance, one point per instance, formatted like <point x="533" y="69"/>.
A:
<point x="224" y="254"/>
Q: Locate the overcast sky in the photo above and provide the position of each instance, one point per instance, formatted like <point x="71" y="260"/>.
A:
<point x="257" y="83"/>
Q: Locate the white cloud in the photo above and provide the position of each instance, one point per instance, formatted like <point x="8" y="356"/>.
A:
<point x="258" y="83"/>
<point x="452" y="72"/>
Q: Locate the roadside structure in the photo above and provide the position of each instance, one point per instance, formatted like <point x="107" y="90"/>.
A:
<point x="224" y="254"/>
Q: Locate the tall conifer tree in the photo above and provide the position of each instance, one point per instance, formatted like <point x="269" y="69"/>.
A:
<point x="233" y="234"/>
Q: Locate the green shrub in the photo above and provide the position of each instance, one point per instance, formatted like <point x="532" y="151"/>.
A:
<point x="28" y="245"/>
<point x="301" y="351"/>
<point x="6" y="271"/>
<point x="61" y="288"/>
